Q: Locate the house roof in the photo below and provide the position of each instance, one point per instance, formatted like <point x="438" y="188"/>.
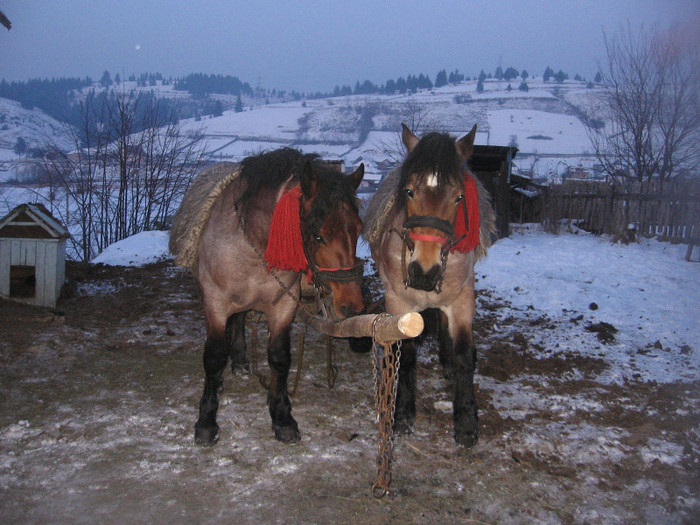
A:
<point x="32" y="221"/>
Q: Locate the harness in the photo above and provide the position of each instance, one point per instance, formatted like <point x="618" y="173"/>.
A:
<point x="447" y="241"/>
<point x="321" y="277"/>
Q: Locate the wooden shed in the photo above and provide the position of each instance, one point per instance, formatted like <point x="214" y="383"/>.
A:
<point x="493" y="164"/>
<point x="32" y="255"/>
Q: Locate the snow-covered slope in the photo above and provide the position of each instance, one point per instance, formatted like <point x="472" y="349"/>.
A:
<point x="545" y="123"/>
<point x="32" y="125"/>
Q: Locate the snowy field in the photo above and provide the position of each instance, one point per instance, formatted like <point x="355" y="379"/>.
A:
<point x="647" y="291"/>
<point x="97" y="402"/>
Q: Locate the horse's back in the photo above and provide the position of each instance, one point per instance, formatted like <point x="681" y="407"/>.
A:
<point x="378" y="211"/>
<point x="194" y="211"/>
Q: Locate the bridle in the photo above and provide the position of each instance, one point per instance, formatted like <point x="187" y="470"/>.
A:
<point x="321" y="278"/>
<point x="447" y="240"/>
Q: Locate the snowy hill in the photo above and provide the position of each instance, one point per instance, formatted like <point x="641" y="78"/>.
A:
<point x="33" y="125"/>
<point x="545" y="123"/>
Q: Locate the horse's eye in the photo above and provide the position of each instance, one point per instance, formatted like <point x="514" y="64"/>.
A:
<point x="409" y="192"/>
<point x="319" y="239"/>
<point x="459" y="199"/>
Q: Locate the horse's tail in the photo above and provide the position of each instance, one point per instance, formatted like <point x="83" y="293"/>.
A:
<point x="487" y="220"/>
<point x="194" y="211"/>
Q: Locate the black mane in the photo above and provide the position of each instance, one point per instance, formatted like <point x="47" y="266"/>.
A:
<point x="435" y="153"/>
<point x="272" y="169"/>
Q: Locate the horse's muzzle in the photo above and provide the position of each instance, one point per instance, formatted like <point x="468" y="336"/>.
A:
<point x="421" y="280"/>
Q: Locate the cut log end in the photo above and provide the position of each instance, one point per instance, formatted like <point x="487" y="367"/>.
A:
<point x="411" y="324"/>
<point x="383" y="327"/>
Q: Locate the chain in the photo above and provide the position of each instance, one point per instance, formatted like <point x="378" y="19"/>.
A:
<point x="386" y="370"/>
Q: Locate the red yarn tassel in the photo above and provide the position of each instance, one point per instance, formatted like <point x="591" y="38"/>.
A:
<point x="471" y="200"/>
<point x="285" y="248"/>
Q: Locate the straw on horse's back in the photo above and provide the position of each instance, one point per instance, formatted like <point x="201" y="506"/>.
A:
<point x="193" y="213"/>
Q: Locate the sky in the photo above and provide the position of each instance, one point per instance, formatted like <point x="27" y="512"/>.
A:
<point x="315" y="45"/>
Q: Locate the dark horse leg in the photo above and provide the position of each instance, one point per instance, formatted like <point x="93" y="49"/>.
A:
<point x="206" y="430"/>
<point x="235" y="338"/>
<point x="279" y="359"/>
<point x="465" y="410"/>
<point x="405" y="413"/>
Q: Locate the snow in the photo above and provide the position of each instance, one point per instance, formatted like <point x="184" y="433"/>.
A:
<point x="138" y="250"/>
<point x="539" y="131"/>
<point x="647" y="291"/>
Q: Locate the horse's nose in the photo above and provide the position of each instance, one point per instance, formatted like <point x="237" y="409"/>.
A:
<point x="421" y="280"/>
<point x="354" y="308"/>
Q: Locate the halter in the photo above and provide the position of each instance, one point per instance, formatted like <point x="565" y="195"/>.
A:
<point x="320" y="277"/>
<point x="446" y="241"/>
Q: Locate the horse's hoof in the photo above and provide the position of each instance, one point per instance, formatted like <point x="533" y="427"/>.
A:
<point x="403" y="427"/>
<point x="288" y="434"/>
<point x="206" y="436"/>
<point x="360" y="345"/>
<point x="466" y="439"/>
<point x="242" y="367"/>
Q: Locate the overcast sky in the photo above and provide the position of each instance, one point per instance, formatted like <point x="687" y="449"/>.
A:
<point x="316" y="45"/>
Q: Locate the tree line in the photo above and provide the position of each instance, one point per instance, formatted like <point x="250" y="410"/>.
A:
<point x="130" y="166"/>
<point x="60" y="98"/>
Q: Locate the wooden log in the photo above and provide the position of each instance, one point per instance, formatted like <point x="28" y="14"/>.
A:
<point x="385" y="327"/>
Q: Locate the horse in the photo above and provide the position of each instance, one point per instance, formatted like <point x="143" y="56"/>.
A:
<point x="427" y="224"/>
<point x="249" y="233"/>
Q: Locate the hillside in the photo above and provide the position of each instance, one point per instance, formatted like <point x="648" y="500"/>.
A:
<point x="545" y="123"/>
<point x="33" y="126"/>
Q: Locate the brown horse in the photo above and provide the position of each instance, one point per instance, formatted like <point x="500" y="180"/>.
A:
<point x="233" y="231"/>
<point x="427" y="224"/>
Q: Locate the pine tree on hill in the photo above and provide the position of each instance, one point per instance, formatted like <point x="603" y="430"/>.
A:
<point x="548" y="73"/>
<point x="441" y="79"/>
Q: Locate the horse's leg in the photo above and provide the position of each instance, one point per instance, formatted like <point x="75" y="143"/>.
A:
<point x="206" y="430"/>
<point x="279" y="359"/>
<point x="458" y="338"/>
<point x="235" y="338"/>
<point x="405" y="412"/>
<point x="446" y="351"/>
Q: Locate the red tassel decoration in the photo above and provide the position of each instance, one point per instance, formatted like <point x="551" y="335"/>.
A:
<point x="285" y="248"/>
<point x="471" y="199"/>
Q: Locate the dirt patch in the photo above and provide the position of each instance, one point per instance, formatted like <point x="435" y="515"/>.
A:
<point x="98" y="400"/>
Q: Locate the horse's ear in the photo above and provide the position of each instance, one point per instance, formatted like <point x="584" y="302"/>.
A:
<point x="356" y="176"/>
<point x="465" y="145"/>
<point x="408" y="138"/>
<point x="308" y="181"/>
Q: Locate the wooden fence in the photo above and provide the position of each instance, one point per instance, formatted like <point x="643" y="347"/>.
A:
<point x="670" y="211"/>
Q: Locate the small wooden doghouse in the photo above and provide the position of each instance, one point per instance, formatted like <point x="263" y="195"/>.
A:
<point x="32" y="255"/>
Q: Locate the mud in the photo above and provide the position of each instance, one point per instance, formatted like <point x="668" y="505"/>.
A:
<point x="98" y="400"/>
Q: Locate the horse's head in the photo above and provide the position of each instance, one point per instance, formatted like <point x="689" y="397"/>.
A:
<point x="330" y="225"/>
<point x="431" y="191"/>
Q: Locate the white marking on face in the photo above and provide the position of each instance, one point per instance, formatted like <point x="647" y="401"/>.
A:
<point x="432" y="180"/>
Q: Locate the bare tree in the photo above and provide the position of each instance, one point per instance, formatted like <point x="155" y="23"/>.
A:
<point x="650" y="89"/>
<point x="130" y="166"/>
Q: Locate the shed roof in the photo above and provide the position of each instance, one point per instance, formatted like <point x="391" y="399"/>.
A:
<point x="32" y="221"/>
<point x="489" y="158"/>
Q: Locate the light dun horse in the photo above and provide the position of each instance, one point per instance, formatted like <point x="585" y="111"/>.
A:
<point x="427" y="225"/>
<point x="221" y="232"/>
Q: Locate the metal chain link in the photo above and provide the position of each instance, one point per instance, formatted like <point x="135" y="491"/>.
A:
<point x="386" y="371"/>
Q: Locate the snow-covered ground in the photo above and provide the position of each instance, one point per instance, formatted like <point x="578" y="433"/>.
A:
<point x="647" y="291"/>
